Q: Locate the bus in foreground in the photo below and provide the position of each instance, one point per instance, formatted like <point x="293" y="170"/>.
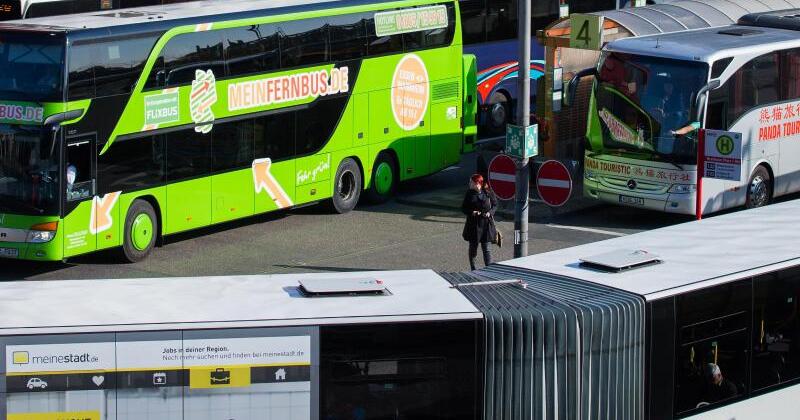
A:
<point x="653" y="93"/>
<point x="696" y="321"/>
<point x="25" y="9"/>
<point x="119" y="128"/>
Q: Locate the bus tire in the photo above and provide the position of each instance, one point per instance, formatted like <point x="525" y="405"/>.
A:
<point x="759" y="189"/>
<point x="141" y="230"/>
<point x="384" y="179"/>
<point x="346" y="186"/>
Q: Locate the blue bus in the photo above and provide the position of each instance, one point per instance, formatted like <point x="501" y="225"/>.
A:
<point x="490" y="32"/>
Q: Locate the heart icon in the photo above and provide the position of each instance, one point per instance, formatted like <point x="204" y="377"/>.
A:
<point x="98" y="380"/>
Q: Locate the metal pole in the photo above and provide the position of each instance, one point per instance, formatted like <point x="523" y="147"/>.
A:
<point x="524" y="120"/>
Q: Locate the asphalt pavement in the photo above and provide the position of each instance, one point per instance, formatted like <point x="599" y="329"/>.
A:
<point x="421" y="228"/>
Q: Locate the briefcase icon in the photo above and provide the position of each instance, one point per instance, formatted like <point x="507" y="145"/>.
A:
<point x="220" y="376"/>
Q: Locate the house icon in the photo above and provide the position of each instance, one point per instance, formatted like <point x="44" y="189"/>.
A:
<point x="280" y="374"/>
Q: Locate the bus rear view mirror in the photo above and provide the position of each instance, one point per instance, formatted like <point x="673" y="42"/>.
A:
<point x="572" y="86"/>
<point x="701" y="94"/>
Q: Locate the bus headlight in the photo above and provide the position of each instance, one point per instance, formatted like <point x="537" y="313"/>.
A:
<point x="682" y="188"/>
<point x="43" y="232"/>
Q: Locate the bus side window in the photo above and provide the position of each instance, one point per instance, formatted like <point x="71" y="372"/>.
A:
<point x="713" y="332"/>
<point x="473" y="20"/>
<point x="184" y="54"/>
<point x="348" y="36"/>
<point x="232" y="146"/>
<point x="501" y="20"/>
<point x="790" y="75"/>
<point x="78" y="169"/>
<point x="545" y="12"/>
<point x="304" y="42"/>
<point x="275" y="136"/>
<point x="376" y="45"/>
<point x="252" y="49"/>
<point x="776" y="335"/>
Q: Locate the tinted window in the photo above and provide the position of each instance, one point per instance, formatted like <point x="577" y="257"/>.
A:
<point x="719" y="67"/>
<point x="304" y="42"/>
<point x="252" y="49"/>
<point x="754" y="84"/>
<point x="10" y="10"/>
<point x="713" y="342"/>
<point x="584" y="6"/>
<point x="544" y="13"/>
<point x="382" y="45"/>
<point x="132" y="164"/>
<point x="473" y="20"/>
<point x="64" y="7"/>
<point x="384" y="373"/>
<point x="501" y="19"/>
<point x="188" y="154"/>
<point x="107" y="68"/>
<point x="184" y="54"/>
<point x="348" y="36"/>
<point x="776" y="335"/>
<point x="275" y="136"/>
<point x="232" y="145"/>
<point x="316" y="124"/>
<point x="790" y="75"/>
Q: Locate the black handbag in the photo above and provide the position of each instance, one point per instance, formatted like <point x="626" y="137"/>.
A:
<point x="498" y="237"/>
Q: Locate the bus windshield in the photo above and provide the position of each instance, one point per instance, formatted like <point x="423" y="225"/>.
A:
<point x="28" y="170"/>
<point x="31" y="67"/>
<point x="641" y="100"/>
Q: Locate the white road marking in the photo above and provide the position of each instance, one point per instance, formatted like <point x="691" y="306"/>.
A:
<point x="586" y="229"/>
<point x="497" y="176"/>
<point x="556" y="183"/>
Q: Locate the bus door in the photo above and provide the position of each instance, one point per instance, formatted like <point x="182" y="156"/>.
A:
<point x="84" y="216"/>
<point x="414" y="117"/>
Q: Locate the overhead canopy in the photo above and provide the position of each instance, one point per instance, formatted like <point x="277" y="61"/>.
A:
<point x="673" y="16"/>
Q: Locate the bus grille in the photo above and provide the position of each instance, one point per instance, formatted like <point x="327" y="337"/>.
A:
<point x="558" y="349"/>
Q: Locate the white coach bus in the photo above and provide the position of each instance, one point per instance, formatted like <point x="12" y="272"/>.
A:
<point x="24" y="9"/>
<point x="698" y="320"/>
<point x="653" y="93"/>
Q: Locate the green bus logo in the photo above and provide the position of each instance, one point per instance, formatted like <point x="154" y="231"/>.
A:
<point x="725" y="145"/>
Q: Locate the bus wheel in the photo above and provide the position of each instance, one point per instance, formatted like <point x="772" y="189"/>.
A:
<point x="384" y="179"/>
<point x="498" y="113"/>
<point x="347" y="186"/>
<point x="141" y="229"/>
<point x="759" y="190"/>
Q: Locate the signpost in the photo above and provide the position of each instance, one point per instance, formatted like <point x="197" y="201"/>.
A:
<point x="522" y="142"/>
<point x="586" y="32"/>
<point x="719" y="156"/>
<point x="524" y="131"/>
<point x="554" y="183"/>
<point x="502" y="170"/>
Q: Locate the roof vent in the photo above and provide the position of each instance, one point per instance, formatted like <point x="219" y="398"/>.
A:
<point x="620" y="260"/>
<point x="740" y="31"/>
<point x="343" y="287"/>
<point x="127" y="14"/>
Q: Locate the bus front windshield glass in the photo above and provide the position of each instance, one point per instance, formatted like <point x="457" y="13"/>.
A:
<point x="31" y="67"/>
<point x="28" y="170"/>
<point x="642" y="101"/>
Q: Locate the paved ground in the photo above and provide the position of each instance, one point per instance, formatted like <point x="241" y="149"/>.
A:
<point x="420" y="229"/>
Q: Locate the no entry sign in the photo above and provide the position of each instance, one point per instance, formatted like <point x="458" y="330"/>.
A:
<point x="502" y="176"/>
<point x="554" y="183"/>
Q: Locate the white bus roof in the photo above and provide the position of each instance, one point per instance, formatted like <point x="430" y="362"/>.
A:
<point x="707" y="45"/>
<point x="221" y="302"/>
<point x="694" y="255"/>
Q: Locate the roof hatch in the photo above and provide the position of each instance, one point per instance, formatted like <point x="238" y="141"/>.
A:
<point x="343" y="287"/>
<point x="620" y="260"/>
<point x="740" y="31"/>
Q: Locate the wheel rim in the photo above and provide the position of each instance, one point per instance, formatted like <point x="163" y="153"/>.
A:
<point x="347" y="186"/>
<point x="759" y="191"/>
<point x="384" y="178"/>
<point x="498" y="114"/>
<point x="142" y="231"/>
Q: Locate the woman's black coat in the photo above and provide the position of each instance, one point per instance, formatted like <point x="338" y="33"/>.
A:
<point x="479" y="228"/>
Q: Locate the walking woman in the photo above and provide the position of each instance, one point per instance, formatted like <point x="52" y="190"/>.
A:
<point x="479" y="206"/>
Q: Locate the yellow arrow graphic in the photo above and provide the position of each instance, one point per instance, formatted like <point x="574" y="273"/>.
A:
<point x="101" y="219"/>
<point x="264" y="180"/>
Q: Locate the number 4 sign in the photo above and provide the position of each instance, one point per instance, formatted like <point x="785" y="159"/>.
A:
<point x="586" y="31"/>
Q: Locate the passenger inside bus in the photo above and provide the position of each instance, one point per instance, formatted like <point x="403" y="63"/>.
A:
<point x="718" y="388"/>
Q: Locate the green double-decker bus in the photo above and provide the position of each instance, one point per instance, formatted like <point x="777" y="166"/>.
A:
<point x="120" y="127"/>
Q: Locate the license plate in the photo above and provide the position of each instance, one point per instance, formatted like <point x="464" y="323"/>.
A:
<point x="636" y="201"/>
<point x="9" y="252"/>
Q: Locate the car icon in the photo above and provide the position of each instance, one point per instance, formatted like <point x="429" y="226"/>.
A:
<point x="34" y="383"/>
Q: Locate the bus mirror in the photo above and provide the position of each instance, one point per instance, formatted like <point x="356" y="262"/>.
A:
<point x="161" y="78"/>
<point x="701" y="94"/>
<point x="572" y="86"/>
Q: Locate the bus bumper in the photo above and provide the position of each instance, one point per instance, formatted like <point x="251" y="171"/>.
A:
<point x="665" y="202"/>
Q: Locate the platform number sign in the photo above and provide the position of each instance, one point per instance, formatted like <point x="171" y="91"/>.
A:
<point x="586" y="31"/>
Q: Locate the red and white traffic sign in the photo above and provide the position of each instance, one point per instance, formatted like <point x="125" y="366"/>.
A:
<point x="502" y="176"/>
<point x="554" y="183"/>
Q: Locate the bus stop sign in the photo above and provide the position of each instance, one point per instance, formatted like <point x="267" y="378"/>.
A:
<point x="503" y="177"/>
